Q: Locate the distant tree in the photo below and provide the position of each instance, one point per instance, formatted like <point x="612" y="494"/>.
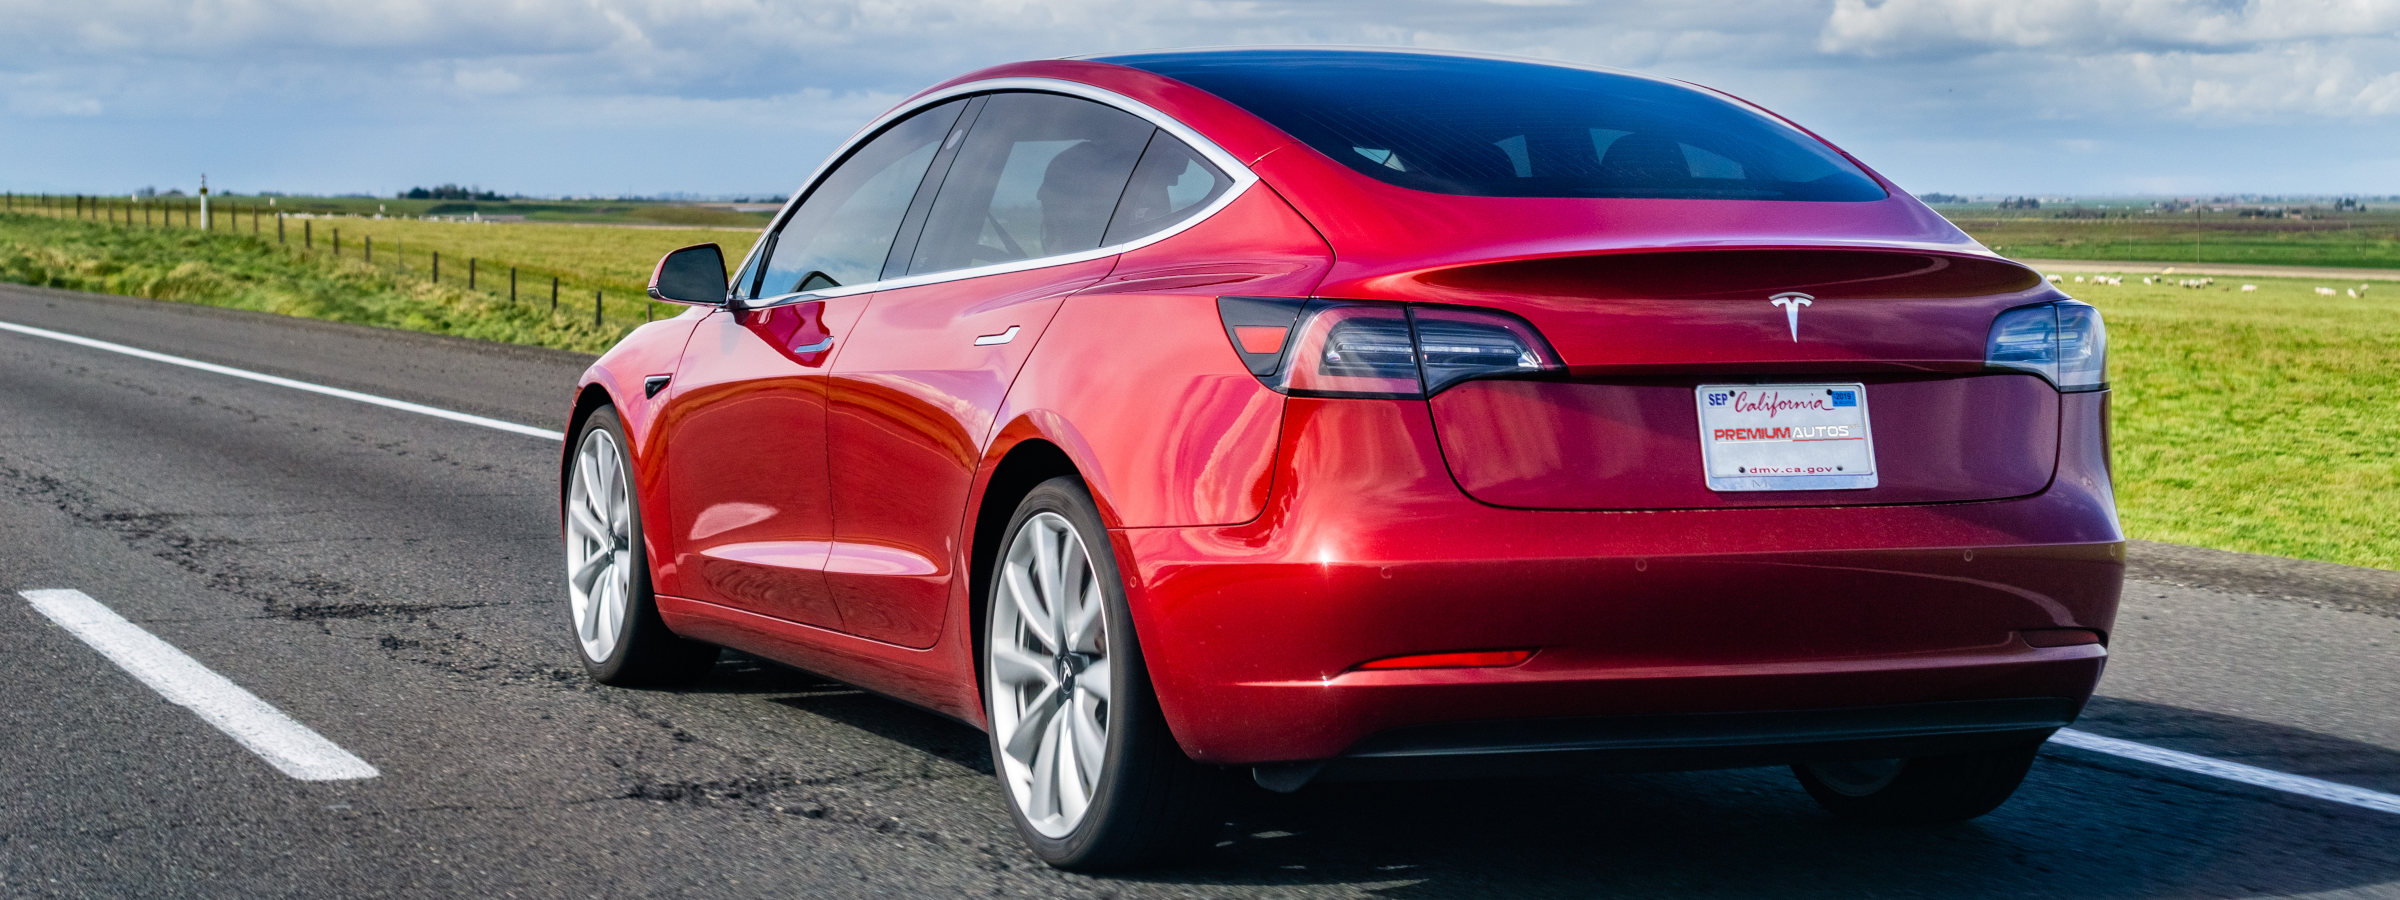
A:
<point x="452" y="192"/>
<point x="2020" y="203"/>
<point x="1941" y="198"/>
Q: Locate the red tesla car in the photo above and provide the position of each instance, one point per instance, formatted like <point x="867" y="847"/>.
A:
<point x="1304" y="415"/>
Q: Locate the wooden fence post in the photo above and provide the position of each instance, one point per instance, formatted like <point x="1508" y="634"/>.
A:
<point x="554" y="295"/>
<point x="596" y="310"/>
<point x="470" y="273"/>
<point x="512" y="284"/>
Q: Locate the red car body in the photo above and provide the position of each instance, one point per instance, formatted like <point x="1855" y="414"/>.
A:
<point x="835" y="505"/>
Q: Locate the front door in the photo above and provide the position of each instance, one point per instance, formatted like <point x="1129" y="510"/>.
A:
<point x="914" y="396"/>
<point x="746" y="475"/>
<point x="744" y="426"/>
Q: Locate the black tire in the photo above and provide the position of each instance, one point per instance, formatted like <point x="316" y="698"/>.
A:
<point x="1926" y="790"/>
<point x="644" y="652"/>
<point x="1151" y="803"/>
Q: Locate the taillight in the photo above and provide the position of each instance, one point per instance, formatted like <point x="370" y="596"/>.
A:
<point x="2063" y="342"/>
<point x="1346" y="348"/>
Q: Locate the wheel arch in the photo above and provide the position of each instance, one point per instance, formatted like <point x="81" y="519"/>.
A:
<point x="590" y="399"/>
<point x="1024" y="467"/>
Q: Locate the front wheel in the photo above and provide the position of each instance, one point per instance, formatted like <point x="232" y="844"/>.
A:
<point x="1926" y="790"/>
<point x="1092" y="776"/>
<point x="618" y="632"/>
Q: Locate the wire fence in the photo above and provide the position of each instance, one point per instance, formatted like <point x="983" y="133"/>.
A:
<point x="299" y="232"/>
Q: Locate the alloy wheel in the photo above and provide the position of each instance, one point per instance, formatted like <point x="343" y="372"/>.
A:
<point x="1049" y="674"/>
<point x="599" y="544"/>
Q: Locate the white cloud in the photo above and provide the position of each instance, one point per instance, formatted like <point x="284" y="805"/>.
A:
<point x="487" y="80"/>
<point x="2201" y="59"/>
<point x="2030" y="85"/>
<point x="1911" y="26"/>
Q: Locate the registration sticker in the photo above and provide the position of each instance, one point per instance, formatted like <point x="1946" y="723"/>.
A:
<point x="1785" y="437"/>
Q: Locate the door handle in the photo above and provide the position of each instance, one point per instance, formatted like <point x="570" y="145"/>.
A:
<point x="1001" y="338"/>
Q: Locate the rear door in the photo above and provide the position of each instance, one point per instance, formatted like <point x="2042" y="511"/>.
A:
<point x="1020" y="217"/>
<point x="745" y="425"/>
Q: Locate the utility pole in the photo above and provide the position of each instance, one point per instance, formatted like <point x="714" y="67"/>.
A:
<point x="203" y="201"/>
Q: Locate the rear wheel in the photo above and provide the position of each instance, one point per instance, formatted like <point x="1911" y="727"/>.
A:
<point x="1925" y="790"/>
<point x="618" y="633"/>
<point x="1092" y="776"/>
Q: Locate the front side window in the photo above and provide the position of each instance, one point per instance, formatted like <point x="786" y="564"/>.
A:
<point x="842" y="232"/>
<point x="1039" y="175"/>
<point x="1501" y="128"/>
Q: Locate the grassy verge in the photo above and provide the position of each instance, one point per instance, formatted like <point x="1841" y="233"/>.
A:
<point x="2258" y="421"/>
<point x="256" y="273"/>
<point x="2366" y="239"/>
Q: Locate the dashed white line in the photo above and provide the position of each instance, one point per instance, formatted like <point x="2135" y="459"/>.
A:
<point x="2231" y="771"/>
<point x="285" y="744"/>
<point x="278" y="381"/>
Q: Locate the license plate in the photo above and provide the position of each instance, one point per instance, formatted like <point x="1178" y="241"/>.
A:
<point x="1785" y="437"/>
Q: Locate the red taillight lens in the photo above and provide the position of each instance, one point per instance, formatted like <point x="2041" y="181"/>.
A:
<point x="1343" y="348"/>
<point x="1259" y="338"/>
<point x="1468" y="659"/>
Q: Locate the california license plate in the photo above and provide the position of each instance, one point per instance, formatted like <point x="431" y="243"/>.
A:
<point x="1786" y="437"/>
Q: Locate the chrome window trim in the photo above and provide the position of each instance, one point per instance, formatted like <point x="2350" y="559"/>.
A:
<point x="1233" y="168"/>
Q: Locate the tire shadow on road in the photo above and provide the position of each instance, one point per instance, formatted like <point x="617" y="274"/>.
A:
<point x="2084" y="825"/>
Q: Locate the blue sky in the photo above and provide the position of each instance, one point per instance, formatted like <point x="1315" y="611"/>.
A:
<point x="2047" y="97"/>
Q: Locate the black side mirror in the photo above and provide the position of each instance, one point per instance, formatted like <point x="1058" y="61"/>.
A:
<point x="693" y="275"/>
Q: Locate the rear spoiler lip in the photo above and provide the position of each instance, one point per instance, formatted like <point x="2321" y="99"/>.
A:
<point x="1366" y="284"/>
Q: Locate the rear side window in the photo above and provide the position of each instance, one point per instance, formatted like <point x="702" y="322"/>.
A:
<point x="1500" y="128"/>
<point x="1172" y="183"/>
<point x="1039" y="175"/>
<point x="842" y="232"/>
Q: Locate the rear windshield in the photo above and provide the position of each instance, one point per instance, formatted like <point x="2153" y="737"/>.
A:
<point x="1499" y="128"/>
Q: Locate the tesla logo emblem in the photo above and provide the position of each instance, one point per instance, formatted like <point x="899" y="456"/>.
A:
<point x="1791" y="301"/>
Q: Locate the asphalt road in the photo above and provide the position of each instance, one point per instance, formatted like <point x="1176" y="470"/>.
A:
<point x="393" y="582"/>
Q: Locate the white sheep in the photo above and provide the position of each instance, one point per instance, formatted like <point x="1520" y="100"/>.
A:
<point x="2324" y="292"/>
<point x="2248" y="288"/>
<point x="2053" y="279"/>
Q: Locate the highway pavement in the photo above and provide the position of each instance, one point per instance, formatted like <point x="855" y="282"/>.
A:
<point x="392" y="583"/>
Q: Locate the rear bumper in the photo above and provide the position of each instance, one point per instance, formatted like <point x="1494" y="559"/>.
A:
<point x="1368" y="550"/>
<point x="1682" y="741"/>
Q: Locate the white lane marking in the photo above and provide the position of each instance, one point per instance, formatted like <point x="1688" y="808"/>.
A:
<point x="403" y="405"/>
<point x="283" y="743"/>
<point x="2231" y="771"/>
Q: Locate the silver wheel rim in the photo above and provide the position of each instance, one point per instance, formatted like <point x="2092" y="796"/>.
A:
<point x="1049" y="674"/>
<point x="599" y="544"/>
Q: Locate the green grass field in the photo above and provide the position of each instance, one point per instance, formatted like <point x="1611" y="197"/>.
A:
<point x="2260" y="421"/>
<point x="230" y="267"/>
<point x="2360" y="239"/>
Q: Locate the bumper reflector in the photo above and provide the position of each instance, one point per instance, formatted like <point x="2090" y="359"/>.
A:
<point x="2060" y="637"/>
<point x="1470" y="659"/>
